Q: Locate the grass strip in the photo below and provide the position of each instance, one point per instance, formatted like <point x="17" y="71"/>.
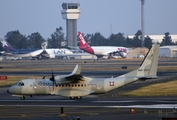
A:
<point x="159" y="89"/>
<point x="13" y="79"/>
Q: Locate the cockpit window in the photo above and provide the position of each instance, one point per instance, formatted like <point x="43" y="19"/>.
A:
<point x="20" y="84"/>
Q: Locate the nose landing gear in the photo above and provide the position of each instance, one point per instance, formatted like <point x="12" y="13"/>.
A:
<point x="22" y="97"/>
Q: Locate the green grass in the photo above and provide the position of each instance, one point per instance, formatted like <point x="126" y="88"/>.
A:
<point x="159" y="89"/>
<point x="13" y="79"/>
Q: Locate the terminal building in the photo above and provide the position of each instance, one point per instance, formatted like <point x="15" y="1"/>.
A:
<point x="71" y="12"/>
<point x="168" y="51"/>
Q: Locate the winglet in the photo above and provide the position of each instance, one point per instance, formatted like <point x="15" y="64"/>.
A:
<point x="77" y="70"/>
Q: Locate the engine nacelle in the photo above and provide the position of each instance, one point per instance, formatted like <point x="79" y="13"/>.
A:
<point x="123" y="54"/>
<point x="51" y="55"/>
<point x="61" y="79"/>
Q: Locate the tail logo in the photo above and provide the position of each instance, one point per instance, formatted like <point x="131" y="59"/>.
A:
<point x="5" y="45"/>
<point x="81" y="38"/>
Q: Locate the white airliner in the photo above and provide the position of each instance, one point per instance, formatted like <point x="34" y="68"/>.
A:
<point x="76" y="85"/>
<point x="34" y="53"/>
<point x="101" y="51"/>
<point x="58" y="53"/>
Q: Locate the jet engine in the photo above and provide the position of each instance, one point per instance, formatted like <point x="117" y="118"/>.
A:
<point x="123" y="54"/>
<point x="51" y="55"/>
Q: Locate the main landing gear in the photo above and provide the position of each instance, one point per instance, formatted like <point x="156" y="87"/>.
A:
<point x="22" y="97"/>
<point x="79" y="97"/>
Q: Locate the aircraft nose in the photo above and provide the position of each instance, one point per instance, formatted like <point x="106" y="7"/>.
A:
<point x="9" y="91"/>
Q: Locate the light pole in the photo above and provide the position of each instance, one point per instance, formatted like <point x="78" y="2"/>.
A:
<point x="142" y="21"/>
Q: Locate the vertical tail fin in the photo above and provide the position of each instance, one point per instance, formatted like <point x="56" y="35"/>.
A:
<point x="83" y="43"/>
<point x="6" y="46"/>
<point x="44" y="45"/>
<point x="148" y="68"/>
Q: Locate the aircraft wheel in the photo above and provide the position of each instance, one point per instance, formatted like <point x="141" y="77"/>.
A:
<point x="72" y="98"/>
<point x="79" y="97"/>
<point x="22" y="97"/>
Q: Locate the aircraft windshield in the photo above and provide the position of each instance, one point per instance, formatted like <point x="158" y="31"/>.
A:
<point x="20" y="84"/>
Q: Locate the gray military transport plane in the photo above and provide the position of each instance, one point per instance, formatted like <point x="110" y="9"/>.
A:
<point x="75" y="85"/>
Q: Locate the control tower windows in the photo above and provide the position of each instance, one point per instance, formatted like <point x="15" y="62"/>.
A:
<point x="72" y="7"/>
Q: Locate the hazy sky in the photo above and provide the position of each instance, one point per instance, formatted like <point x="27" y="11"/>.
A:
<point x="44" y="16"/>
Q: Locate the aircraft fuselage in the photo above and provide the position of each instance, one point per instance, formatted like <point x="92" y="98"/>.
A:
<point x="83" y="88"/>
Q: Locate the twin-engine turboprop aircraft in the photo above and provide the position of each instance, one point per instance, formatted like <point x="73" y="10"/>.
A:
<point x="76" y="85"/>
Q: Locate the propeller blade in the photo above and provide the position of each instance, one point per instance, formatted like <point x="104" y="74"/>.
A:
<point x="53" y="79"/>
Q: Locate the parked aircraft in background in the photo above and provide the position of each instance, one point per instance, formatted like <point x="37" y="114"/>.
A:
<point x="10" y="51"/>
<point x="101" y="51"/>
<point x="34" y="53"/>
<point x="58" y="53"/>
<point x="76" y="85"/>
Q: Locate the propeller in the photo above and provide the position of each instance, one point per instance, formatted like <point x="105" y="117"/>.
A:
<point x="53" y="79"/>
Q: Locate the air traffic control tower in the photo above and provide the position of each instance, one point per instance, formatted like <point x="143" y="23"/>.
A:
<point x="71" y="12"/>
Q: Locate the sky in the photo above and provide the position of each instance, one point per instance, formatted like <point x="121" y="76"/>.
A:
<point x="104" y="16"/>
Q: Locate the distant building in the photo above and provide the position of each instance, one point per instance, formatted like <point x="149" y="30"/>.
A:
<point x="158" y="38"/>
<point x="168" y="51"/>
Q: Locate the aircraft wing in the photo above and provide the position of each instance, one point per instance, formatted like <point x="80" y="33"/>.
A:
<point x="109" y="52"/>
<point x="74" y="77"/>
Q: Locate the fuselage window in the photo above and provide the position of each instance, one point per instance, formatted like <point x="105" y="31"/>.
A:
<point x="72" y="85"/>
<point x="82" y="85"/>
<point x="39" y="83"/>
<point x="79" y="85"/>
<point x="75" y="85"/>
